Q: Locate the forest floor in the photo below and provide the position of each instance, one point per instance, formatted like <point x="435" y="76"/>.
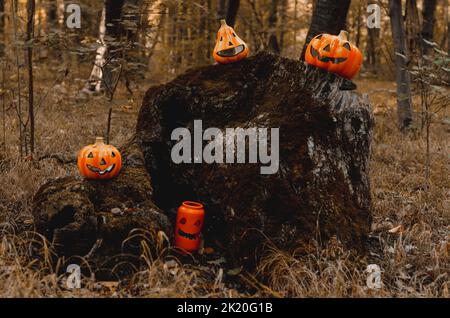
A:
<point x="410" y="239"/>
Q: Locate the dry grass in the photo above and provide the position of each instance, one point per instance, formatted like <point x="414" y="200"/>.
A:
<point x="414" y="261"/>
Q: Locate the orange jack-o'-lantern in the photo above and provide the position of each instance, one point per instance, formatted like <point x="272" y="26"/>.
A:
<point x="229" y="47"/>
<point x="99" y="161"/>
<point x="189" y="225"/>
<point x="334" y="54"/>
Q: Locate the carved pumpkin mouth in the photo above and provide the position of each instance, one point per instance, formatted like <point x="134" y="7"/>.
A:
<point x="100" y="171"/>
<point x="187" y="235"/>
<point x="232" y="52"/>
<point x="326" y="59"/>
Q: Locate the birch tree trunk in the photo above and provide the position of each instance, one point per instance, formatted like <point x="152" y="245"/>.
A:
<point x="95" y="79"/>
<point x="110" y="32"/>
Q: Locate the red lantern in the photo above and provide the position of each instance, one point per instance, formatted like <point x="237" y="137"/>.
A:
<point x="189" y="225"/>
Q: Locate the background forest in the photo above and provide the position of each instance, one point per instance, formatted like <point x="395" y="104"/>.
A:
<point x="61" y="86"/>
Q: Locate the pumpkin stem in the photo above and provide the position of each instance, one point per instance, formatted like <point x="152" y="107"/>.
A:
<point x="343" y="35"/>
<point x="223" y="22"/>
<point x="99" y="140"/>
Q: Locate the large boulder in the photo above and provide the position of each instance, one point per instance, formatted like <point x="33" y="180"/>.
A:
<point x="95" y="219"/>
<point x="321" y="188"/>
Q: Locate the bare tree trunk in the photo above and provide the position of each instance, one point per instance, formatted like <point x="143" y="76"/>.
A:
<point x="358" y="25"/>
<point x="4" y="108"/>
<point x="208" y="32"/>
<point x="14" y="9"/>
<point x="52" y="10"/>
<point x="413" y="31"/>
<point x="221" y="9"/>
<point x="114" y="30"/>
<point x="2" y="27"/>
<point x="109" y="34"/>
<point x="445" y="33"/>
<point x="233" y="7"/>
<point x="273" y="18"/>
<point x="295" y="26"/>
<point x="181" y="34"/>
<point x="31" y="8"/>
<point x="429" y="9"/>
<point x="403" y="78"/>
<point x="448" y="26"/>
<point x="2" y="12"/>
<point x="372" y="47"/>
<point x="199" y="31"/>
<point x="329" y="16"/>
<point x="373" y="35"/>
<point x="284" y="13"/>
<point x="95" y="79"/>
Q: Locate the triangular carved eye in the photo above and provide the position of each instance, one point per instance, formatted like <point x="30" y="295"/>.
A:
<point x="183" y="221"/>
<point x="319" y="37"/>
<point x="103" y="162"/>
<point x="113" y="154"/>
<point x="347" y="46"/>
<point x="327" y="48"/>
<point x="90" y="155"/>
<point x="198" y="223"/>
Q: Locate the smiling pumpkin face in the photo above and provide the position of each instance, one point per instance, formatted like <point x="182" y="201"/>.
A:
<point x="189" y="225"/>
<point x="229" y="47"/>
<point x="334" y="54"/>
<point x="99" y="161"/>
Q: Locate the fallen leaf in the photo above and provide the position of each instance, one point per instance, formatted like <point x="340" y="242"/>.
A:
<point x="126" y="107"/>
<point x="397" y="230"/>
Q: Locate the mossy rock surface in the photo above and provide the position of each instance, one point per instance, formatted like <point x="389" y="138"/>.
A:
<point x="322" y="186"/>
<point x="74" y="213"/>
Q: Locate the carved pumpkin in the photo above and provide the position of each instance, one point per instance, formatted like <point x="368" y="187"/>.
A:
<point x="334" y="54"/>
<point x="229" y="47"/>
<point x="189" y="225"/>
<point x="99" y="161"/>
